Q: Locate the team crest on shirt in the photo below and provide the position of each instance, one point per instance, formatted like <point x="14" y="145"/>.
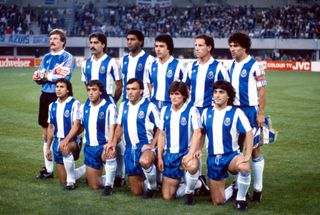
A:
<point x="141" y="115"/>
<point x="102" y="70"/>
<point x="183" y="121"/>
<point x="66" y="114"/>
<point x="194" y="70"/>
<point x="86" y="111"/>
<point x="139" y="66"/>
<point x="101" y="115"/>
<point x="227" y="121"/>
<point x="209" y="116"/>
<point x="169" y="73"/>
<point x="210" y="75"/>
<point x="243" y="73"/>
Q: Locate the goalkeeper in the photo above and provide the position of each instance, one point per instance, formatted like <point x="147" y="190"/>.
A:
<point x="54" y="65"/>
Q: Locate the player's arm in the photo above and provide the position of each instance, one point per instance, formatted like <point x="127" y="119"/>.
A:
<point x="50" y="132"/>
<point x="118" y="91"/>
<point x="63" y="70"/>
<point x="194" y="148"/>
<point x="75" y="129"/>
<point x="249" y="145"/>
<point x="262" y="104"/>
<point x="161" y="144"/>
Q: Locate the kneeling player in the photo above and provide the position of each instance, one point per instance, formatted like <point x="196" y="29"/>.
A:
<point x="222" y="125"/>
<point x="179" y="143"/>
<point x="63" y="114"/>
<point x="98" y="118"/>
<point x="138" y="122"/>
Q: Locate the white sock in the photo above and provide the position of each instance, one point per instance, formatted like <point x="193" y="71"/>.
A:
<point x="243" y="185"/>
<point x="191" y="181"/>
<point x="103" y="179"/>
<point x="120" y="160"/>
<point x="69" y="166"/>
<point x="258" y="167"/>
<point x="151" y="176"/>
<point x="48" y="164"/>
<point x="181" y="191"/>
<point x="228" y="193"/>
<point x="80" y="171"/>
<point x="110" y="168"/>
<point x="198" y="184"/>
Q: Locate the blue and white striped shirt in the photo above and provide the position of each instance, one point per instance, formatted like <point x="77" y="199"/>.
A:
<point x="105" y="70"/>
<point x="138" y="122"/>
<point x="246" y="76"/>
<point x="179" y="127"/>
<point x="96" y="121"/>
<point x="161" y="77"/>
<point x="62" y="115"/>
<point x="201" y="78"/>
<point x="222" y="128"/>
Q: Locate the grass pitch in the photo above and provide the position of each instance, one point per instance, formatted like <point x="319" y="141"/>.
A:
<point x="291" y="180"/>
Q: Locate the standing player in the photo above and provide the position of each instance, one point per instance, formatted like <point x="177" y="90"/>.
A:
<point x="133" y="65"/>
<point x="63" y="114"/>
<point x="222" y="125"/>
<point x="163" y="71"/>
<point x="54" y="65"/>
<point x="102" y="67"/>
<point x="136" y="63"/>
<point x="179" y="144"/>
<point x="138" y="121"/>
<point x="248" y="79"/>
<point x="98" y="117"/>
<point x="202" y="73"/>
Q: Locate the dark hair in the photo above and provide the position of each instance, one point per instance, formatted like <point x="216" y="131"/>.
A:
<point x="181" y="87"/>
<point x="132" y="80"/>
<point x="67" y="83"/>
<point x="61" y="33"/>
<point x="98" y="83"/>
<point x="101" y="38"/>
<point x="138" y="34"/>
<point x="242" y="39"/>
<point x="224" y="85"/>
<point x="208" y="41"/>
<point x="167" y="39"/>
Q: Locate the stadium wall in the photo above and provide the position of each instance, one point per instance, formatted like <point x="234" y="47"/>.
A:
<point x="268" y="65"/>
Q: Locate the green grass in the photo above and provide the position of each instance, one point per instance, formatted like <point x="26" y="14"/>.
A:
<point x="291" y="180"/>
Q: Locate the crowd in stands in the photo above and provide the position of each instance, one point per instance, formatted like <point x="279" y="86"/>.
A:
<point x="219" y="21"/>
<point x="284" y="22"/>
<point x="14" y="19"/>
<point x="50" y="19"/>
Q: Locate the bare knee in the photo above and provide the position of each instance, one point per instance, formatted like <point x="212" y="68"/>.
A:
<point x="217" y="201"/>
<point x="146" y="159"/>
<point x="193" y="166"/>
